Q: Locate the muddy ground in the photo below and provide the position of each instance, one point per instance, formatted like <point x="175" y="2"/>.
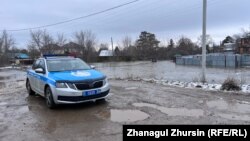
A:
<point x="26" y="118"/>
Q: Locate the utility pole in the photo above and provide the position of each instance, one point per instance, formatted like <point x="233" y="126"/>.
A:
<point x="112" y="46"/>
<point x="203" y="79"/>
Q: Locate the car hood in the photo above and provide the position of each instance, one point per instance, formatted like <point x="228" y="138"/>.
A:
<point x="77" y="75"/>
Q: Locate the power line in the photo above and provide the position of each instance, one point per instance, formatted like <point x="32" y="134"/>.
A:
<point x="170" y="14"/>
<point x="74" y="19"/>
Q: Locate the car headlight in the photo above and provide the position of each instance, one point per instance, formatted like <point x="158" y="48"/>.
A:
<point x="105" y="81"/>
<point x="61" y="85"/>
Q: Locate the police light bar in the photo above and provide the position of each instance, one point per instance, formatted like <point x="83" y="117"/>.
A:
<point x="56" y="55"/>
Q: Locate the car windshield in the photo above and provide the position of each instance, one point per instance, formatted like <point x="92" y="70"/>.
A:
<point x="66" y="65"/>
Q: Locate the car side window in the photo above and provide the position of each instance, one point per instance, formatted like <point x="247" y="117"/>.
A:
<point x="41" y="64"/>
<point x="35" y="65"/>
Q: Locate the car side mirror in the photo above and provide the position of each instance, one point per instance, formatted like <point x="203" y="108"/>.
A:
<point x="92" y="67"/>
<point x="39" y="70"/>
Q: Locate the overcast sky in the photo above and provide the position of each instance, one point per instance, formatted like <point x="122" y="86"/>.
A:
<point x="166" y="18"/>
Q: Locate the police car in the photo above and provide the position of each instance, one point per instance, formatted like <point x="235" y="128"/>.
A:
<point x="66" y="80"/>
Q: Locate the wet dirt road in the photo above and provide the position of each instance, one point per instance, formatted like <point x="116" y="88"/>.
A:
<point x="26" y="118"/>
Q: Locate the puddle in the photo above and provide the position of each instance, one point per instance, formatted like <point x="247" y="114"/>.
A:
<point x="232" y="106"/>
<point x="218" y="104"/>
<point x="110" y="94"/>
<point x="173" y="111"/>
<point x="131" y="88"/>
<point x="127" y="115"/>
<point x="22" y="110"/>
<point x="4" y="77"/>
<point x="3" y="103"/>
<point x="1" y="77"/>
<point x="235" y="117"/>
<point x="2" y="85"/>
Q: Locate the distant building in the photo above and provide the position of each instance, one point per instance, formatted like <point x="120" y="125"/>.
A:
<point x="106" y="53"/>
<point x="17" y="56"/>
<point x="70" y="48"/>
<point x="229" y="48"/>
<point x="50" y="48"/>
<point x="21" y="56"/>
<point x="243" y="45"/>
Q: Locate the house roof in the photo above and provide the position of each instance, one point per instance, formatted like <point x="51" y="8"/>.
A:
<point x="21" y="56"/>
<point x="71" y="45"/>
<point x="106" y="53"/>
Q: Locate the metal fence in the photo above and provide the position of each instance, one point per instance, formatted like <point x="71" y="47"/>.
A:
<point x="216" y="60"/>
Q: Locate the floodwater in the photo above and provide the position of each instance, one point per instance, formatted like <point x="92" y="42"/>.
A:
<point x="167" y="70"/>
<point x="10" y="80"/>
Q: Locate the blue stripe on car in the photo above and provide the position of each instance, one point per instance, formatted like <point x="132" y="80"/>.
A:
<point x="43" y="78"/>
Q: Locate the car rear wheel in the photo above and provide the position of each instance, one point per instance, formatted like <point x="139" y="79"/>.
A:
<point x="49" y="98"/>
<point x="29" y="89"/>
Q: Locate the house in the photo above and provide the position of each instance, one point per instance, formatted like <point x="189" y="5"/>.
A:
<point x="106" y="53"/>
<point x="50" y="49"/>
<point x="21" y="56"/>
<point x="17" y="56"/>
<point x="69" y="48"/>
<point x="229" y="48"/>
<point x="243" y="45"/>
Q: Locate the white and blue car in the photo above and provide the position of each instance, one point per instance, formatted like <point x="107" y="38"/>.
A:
<point x="66" y="80"/>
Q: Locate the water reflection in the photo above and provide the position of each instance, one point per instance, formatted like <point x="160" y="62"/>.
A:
<point x="169" y="71"/>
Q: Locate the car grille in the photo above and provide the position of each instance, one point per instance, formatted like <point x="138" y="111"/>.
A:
<point x="90" y="85"/>
<point x="82" y="98"/>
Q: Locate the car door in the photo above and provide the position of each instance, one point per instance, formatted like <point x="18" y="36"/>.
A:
<point x="32" y="76"/>
<point x="41" y="77"/>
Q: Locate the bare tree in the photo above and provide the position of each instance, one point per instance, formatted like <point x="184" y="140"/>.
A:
<point x="36" y="39"/>
<point x="1" y="44"/>
<point x="42" y="41"/>
<point x="245" y="32"/>
<point x="86" y="40"/>
<point x="61" y="40"/>
<point x="47" y="39"/>
<point x="127" y="42"/>
<point x="7" y="42"/>
<point x="90" y="44"/>
<point x="186" y="46"/>
<point x="80" y="40"/>
<point x="33" y="51"/>
<point x="209" y="40"/>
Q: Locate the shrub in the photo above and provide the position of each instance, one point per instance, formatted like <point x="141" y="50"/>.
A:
<point x="230" y="84"/>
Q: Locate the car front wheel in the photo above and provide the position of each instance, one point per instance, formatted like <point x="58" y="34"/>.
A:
<point x="49" y="98"/>
<point x="29" y="89"/>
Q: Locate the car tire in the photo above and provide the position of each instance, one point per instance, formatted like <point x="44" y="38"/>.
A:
<point x="29" y="89"/>
<point x="49" y="98"/>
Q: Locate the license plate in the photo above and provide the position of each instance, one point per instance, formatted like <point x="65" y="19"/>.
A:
<point x="88" y="93"/>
